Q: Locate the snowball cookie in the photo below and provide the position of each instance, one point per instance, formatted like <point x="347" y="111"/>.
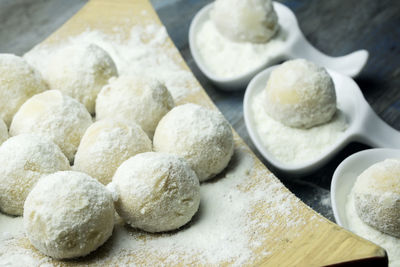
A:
<point x="68" y="214"/>
<point x="3" y="131"/>
<point x="137" y="99"/>
<point x="202" y="136"/>
<point x="18" y="82"/>
<point x="62" y="118"/>
<point x="245" y="20"/>
<point x="377" y="196"/>
<point x="80" y="71"/>
<point x="106" y="144"/>
<point x="300" y="94"/>
<point x="157" y="191"/>
<point x="24" y="160"/>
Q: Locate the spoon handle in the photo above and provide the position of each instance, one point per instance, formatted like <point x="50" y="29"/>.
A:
<point x="350" y="64"/>
<point x="377" y="133"/>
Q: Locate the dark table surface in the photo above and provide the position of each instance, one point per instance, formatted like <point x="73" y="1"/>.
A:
<point x="334" y="27"/>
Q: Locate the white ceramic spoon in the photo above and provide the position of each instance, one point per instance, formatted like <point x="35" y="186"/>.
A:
<point x="346" y="175"/>
<point x="363" y="124"/>
<point x="295" y="46"/>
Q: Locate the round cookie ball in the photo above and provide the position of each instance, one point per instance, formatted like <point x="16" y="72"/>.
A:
<point x="157" y="192"/>
<point x="68" y="214"/>
<point x="3" y="131"/>
<point x="18" y="82"/>
<point x="136" y="99"/>
<point x="106" y="144"/>
<point x="245" y="20"/>
<point x="80" y="71"/>
<point x="377" y="196"/>
<point x="25" y="159"/>
<point x="200" y="135"/>
<point x="55" y="115"/>
<point x="300" y="94"/>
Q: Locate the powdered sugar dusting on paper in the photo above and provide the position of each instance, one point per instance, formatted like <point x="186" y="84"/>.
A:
<point x="241" y="210"/>
<point x="143" y="53"/>
<point x="228" y="227"/>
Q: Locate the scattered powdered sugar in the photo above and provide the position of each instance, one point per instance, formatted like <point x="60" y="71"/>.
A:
<point x="143" y="53"/>
<point x="225" y="229"/>
<point x="295" y="145"/>
<point x="241" y="209"/>
<point x="326" y="200"/>
<point x="226" y="58"/>
<point x="389" y="243"/>
<point x="228" y="228"/>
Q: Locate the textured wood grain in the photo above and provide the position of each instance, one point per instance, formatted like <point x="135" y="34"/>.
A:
<point x="316" y="242"/>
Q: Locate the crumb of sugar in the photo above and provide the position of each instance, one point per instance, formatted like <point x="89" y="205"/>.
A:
<point x="326" y="200"/>
<point x="389" y="243"/>
<point x="143" y="53"/>
<point x="295" y="145"/>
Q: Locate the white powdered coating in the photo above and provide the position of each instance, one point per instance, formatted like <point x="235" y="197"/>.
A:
<point x="132" y="55"/>
<point x="245" y="20"/>
<point x="300" y="94"/>
<point x="129" y="98"/>
<point x="200" y="135"/>
<point x="228" y="59"/>
<point x="157" y="192"/>
<point x="61" y="118"/>
<point x="227" y="222"/>
<point x="80" y="71"/>
<point x="106" y="144"/>
<point x="18" y="82"/>
<point x="25" y="159"/>
<point x="227" y="228"/>
<point x="389" y="243"/>
<point x="295" y="145"/>
<point x="68" y="214"/>
<point x="3" y="131"/>
<point x="377" y="196"/>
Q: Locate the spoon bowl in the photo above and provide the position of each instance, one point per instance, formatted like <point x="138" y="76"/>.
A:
<point x="346" y="175"/>
<point x="295" y="46"/>
<point x="363" y="124"/>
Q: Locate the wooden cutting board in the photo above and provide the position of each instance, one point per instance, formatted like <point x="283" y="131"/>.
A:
<point x="315" y="242"/>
